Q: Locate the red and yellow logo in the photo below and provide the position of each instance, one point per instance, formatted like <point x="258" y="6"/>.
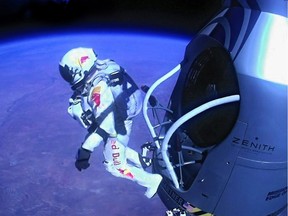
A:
<point x="96" y="96"/>
<point x="83" y="59"/>
<point x="126" y="172"/>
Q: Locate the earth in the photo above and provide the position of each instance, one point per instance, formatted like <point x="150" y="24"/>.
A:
<point x="39" y="140"/>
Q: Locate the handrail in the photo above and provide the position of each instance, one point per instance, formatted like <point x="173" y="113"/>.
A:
<point x="179" y="122"/>
<point x="149" y="93"/>
<point x="182" y="120"/>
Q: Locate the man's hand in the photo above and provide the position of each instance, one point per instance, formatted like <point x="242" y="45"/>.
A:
<point x="82" y="159"/>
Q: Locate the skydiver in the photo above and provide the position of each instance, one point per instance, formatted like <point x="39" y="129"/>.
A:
<point x="105" y="100"/>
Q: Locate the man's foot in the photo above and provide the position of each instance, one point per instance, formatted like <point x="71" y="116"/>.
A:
<point x="155" y="182"/>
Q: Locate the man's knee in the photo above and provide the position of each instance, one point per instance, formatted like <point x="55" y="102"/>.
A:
<point x="126" y="173"/>
<point x="118" y="171"/>
<point x="111" y="169"/>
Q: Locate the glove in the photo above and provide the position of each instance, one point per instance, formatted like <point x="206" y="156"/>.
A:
<point x="82" y="159"/>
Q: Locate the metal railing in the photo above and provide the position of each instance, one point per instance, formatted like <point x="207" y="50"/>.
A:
<point x="164" y="144"/>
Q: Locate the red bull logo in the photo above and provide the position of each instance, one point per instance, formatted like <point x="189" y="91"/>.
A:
<point x="117" y="161"/>
<point x="115" y="153"/>
<point x="83" y="59"/>
<point x="126" y="172"/>
<point x="96" y="95"/>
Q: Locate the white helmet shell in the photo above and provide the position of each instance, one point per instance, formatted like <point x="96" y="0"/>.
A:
<point x="76" y="64"/>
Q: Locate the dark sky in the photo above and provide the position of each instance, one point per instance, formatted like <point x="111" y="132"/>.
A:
<point x="181" y="16"/>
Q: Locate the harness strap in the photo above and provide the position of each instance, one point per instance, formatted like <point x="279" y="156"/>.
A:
<point x="94" y="128"/>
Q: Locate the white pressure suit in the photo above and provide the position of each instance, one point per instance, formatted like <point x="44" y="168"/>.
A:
<point x="105" y="105"/>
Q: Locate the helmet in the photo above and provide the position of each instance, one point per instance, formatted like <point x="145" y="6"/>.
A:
<point x="76" y="64"/>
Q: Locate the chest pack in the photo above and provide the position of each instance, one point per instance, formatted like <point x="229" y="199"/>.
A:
<point x="126" y="93"/>
<point x="115" y="77"/>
